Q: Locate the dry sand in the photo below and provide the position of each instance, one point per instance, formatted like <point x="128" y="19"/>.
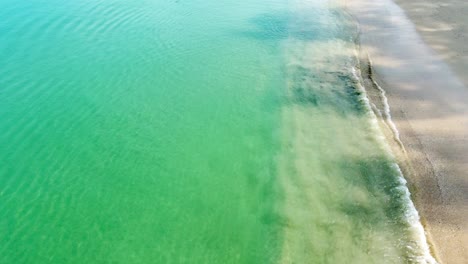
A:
<point x="423" y="68"/>
<point x="443" y="25"/>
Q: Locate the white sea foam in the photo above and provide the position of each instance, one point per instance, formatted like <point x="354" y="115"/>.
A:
<point x="419" y="251"/>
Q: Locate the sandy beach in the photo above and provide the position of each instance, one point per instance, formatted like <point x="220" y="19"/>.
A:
<point x="418" y="53"/>
<point x="444" y="27"/>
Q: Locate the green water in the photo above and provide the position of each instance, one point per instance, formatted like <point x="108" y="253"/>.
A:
<point x="191" y="131"/>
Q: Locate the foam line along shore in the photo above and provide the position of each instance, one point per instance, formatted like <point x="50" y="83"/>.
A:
<point x="427" y="96"/>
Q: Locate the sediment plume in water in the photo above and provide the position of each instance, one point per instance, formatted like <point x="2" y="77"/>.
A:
<point x="192" y="132"/>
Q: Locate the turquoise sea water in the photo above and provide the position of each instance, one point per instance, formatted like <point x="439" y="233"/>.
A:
<point x="192" y="131"/>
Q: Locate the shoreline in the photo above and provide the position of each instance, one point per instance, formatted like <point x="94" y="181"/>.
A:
<point x="390" y="140"/>
<point x="433" y="123"/>
<point x="379" y="106"/>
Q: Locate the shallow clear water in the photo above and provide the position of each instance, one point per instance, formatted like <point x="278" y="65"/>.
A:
<point x="191" y="132"/>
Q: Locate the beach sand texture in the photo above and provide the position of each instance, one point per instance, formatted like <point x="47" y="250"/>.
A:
<point x="426" y="89"/>
<point x="443" y="25"/>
